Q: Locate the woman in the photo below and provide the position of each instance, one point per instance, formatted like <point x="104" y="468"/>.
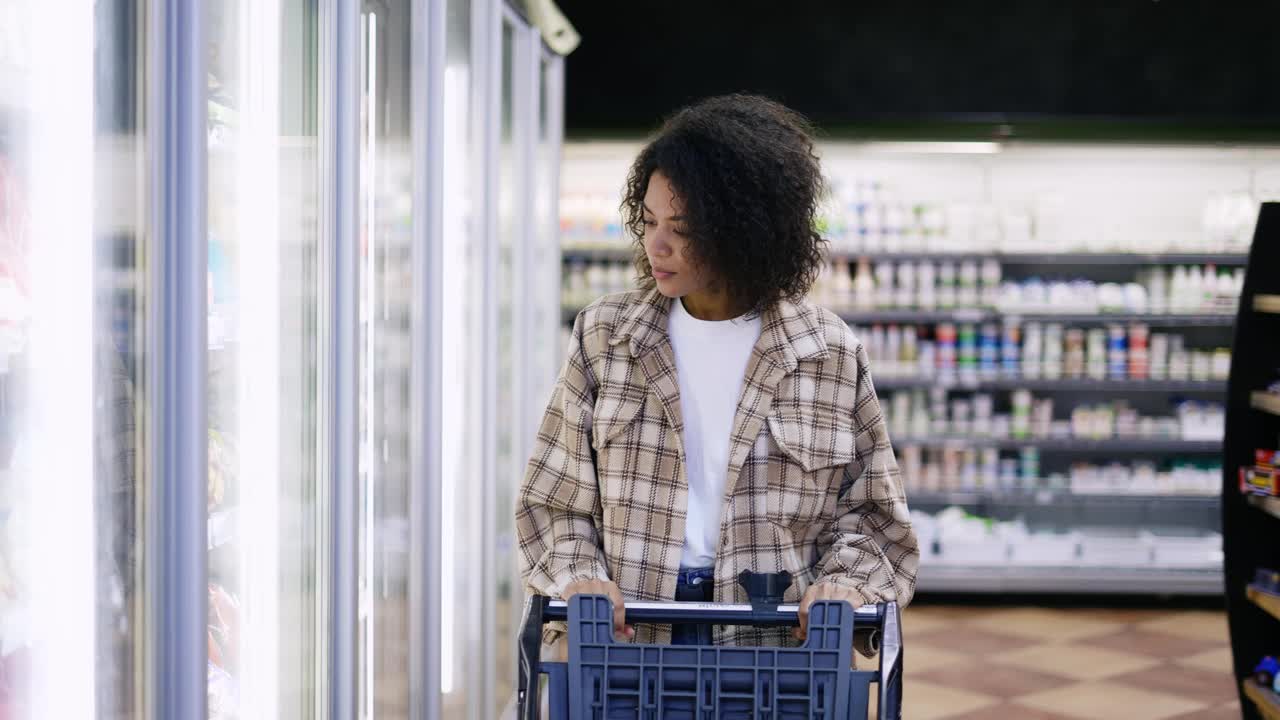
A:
<point x="713" y="421"/>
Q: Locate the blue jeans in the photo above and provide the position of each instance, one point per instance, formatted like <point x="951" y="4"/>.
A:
<point x="693" y="585"/>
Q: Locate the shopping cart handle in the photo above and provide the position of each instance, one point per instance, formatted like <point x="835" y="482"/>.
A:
<point x="715" y="613"/>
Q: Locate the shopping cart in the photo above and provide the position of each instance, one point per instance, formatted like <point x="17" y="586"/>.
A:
<point x="603" y="680"/>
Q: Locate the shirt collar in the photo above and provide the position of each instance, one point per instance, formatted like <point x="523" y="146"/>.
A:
<point x="792" y="330"/>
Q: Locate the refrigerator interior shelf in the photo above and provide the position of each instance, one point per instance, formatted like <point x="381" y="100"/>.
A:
<point x="1269" y="505"/>
<point x="1267" y="304"/>
<point x="1268" y="402"/>
<point x="1267" y="702"/>
<point x="1265" y="600"/>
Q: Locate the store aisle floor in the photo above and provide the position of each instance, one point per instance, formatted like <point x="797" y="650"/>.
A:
<point x="1037" y="663"/>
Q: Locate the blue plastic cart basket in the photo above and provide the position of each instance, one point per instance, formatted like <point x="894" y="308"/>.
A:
<point x="607" y="680"/>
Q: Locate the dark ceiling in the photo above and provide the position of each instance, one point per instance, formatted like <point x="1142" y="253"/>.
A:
<point x="1179" y="62"/>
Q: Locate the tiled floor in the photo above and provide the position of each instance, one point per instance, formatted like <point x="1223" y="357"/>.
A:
<point x="1013" y="663"/>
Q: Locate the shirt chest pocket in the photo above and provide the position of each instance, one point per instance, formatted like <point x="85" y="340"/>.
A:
<point x="634" y="450"/>
<point x="808" y="454"/>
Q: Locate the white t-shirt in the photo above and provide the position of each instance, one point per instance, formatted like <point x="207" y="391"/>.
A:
<point x="711" y="363"/>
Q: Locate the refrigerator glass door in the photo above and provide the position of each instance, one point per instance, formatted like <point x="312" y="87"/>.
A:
<point x="73" y="359"/>
<point x="267" y="501"/>
<point x="464" y="361"/>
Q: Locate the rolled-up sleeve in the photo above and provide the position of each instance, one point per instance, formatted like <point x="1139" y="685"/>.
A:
<point x="869" y="545"/>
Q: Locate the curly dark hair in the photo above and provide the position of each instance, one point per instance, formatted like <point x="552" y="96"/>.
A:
<point x="747" y="173"/>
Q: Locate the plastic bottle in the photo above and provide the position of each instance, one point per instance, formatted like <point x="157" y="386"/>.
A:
<point x="893" y="352"/>
<point x="1227" y="299"/>
<point x="1011" y="350"/>
<point x="884" y="285"/>
<point x="1195" y="289"/>
<point x="1158" y="287"/>
<point x="1052" y="358"/>
<point x="926" y="286"/>
<point x="989" y="351"/>
<point x="864" y="287"/>
<point x="1209" y="290"/>
<point x="1178" y="289"/>
<point x="1032" y="351"/>
<point x="967" y="287"/>
<point x="1158" y="354"/>
<point x="905" y="295"/>
<point x="946" y="285"/>
<point x="1020" y="422"/>
<point x="967" y="353"/>
<point x="841" y="285"/>
<point x="990" y="282"/>
<point x="909" y="358"/>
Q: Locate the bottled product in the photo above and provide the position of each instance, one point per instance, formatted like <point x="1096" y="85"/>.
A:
<point x="926" y="286"/>
<point x="864" y="287"/>
<point x="946" y="286"/>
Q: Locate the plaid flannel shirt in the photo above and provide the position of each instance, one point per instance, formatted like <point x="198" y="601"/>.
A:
<point x="812" y="487"/>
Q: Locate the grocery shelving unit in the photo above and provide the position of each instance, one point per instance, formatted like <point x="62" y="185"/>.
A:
<point x="1266" y="704"/>
<point x="1264" y="599"/>
<point x="1268" y="505"/>
<point x="1252" y="523"/>
<point x="1265" y="401"/>
<point x="1266" y="303"/>
<point x="1056" y="507"/>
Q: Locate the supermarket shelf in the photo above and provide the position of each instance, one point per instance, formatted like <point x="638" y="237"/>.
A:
<point x="996" y="579"/>
<point x="879" y="317"/>
<point x="1060" y="385"/>
<point x="604" y="253"/>
<point x="1267" y="702"/>
<point x="1267" y="304"/>
<point x="1055" y="497"/>
<point x="597" y="254"/>
<point x="1265" y="600"/>
<point x="925" y="317"/>
<point x="1060" y="259"/>
<point x="1269" y="505"/>
<point x="1072" y="446"/>
<point x="1267" y="402"/>
<point x="975" y="315"/>
<point x="1084" y="258"/>
<point x="1158" y="320"/>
